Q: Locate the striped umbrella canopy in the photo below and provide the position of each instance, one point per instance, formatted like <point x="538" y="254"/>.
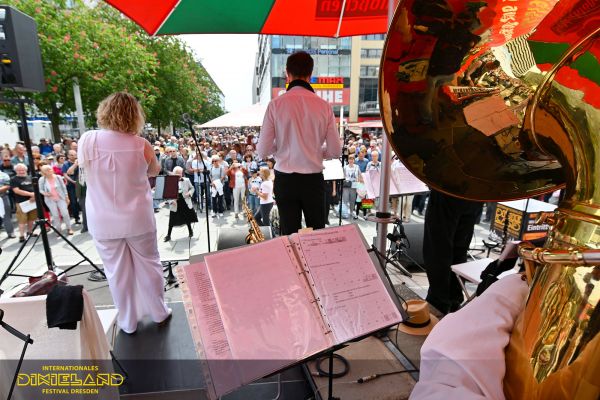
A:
<point x="569" y="21"/>
<point x="326" y="18"/>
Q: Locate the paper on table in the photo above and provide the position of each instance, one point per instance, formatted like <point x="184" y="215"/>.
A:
<point x="27" y="206"/>
<point x="224" y="373"/>
<point x="266" y="310"/>
<point x="354" y="299"/>
<point x="490" y="115"/>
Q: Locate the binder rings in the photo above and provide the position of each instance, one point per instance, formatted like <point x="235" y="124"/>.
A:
<point x="258" y="309"/>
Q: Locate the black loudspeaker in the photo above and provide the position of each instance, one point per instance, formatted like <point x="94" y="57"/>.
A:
<point x="20" y="58"/>
<point x="414" y="233"/>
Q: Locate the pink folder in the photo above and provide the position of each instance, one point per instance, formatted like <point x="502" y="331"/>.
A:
<point x="257" y="309"/>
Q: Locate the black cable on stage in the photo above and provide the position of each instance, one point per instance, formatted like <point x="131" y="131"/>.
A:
<point x="323" y="373"/>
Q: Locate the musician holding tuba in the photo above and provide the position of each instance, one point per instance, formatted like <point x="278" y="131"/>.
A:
<point x="529" y="128"/>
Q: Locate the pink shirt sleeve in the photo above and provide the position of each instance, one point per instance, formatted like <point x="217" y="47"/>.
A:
<point x="333" y="146"/>
<point x="266" y="141"/>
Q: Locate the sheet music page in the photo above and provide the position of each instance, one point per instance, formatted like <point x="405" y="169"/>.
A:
<point x="159" y="187"/>
<point x="353" y="297"/>
<point x="224" y="374"/>
<point x="267" y="313"/>
<point x="333" y="170"/>
<point x="371" y="181"/>
<point x="404" y="182"/>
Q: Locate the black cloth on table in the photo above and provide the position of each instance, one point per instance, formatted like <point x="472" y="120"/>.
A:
<point x="184" y="215"/>
<point x="64" y="306"/>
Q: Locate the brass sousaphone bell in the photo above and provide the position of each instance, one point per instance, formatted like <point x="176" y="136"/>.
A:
<point x="473" y="107"/>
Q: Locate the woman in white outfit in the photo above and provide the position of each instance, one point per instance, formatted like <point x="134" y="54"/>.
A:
<point x="54" y="190"/>
<point x="238" y="178"/>
<point x="116" y="163"/>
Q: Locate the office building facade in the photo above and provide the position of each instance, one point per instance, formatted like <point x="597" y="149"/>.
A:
<point x="345" y="74"/>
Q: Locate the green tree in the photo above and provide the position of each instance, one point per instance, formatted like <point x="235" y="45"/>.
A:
<point x="81" y="43"/>
<point x="182" y="84"/>
<point x="106" y="52"/>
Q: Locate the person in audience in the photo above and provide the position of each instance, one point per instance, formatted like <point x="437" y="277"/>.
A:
<point x="22" y="187"/>
<point x="54" y="190"/>
<point x="265" y="195"/>
<point x="182" y="210"/>
<point x="237" y="182"/>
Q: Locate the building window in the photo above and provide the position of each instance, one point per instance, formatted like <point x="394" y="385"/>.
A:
<point x="370" y="53"/>
<point x="276" y="42"/>
<point x="369" y="70"/>
<point x="367" y="91"/>
<point x="380" y="36"/>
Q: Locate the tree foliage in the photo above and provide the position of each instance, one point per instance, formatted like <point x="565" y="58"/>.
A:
<point x="106" y="52"/>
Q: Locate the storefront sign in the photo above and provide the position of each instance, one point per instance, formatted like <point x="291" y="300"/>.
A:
<point x="334" y="96"/>
<point x="319" y="52"/>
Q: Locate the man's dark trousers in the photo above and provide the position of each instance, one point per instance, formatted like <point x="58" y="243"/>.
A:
<point x="296" y="194"/>
<point x="449" y="224"/>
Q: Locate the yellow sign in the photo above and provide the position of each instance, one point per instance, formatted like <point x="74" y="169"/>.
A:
<point x="70" y="379"/>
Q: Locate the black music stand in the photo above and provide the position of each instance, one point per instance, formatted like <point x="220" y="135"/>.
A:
<point x="27" y="341"/>
<point x="205" y="174"/>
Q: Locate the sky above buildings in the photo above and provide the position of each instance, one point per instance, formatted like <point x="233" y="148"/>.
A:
<point x="229" y="59"/>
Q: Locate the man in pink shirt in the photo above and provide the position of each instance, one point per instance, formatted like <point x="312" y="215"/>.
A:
<point x="299" y="130"/>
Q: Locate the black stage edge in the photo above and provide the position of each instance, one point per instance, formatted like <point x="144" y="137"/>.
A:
<point x="161" y="361"/>
<point x="162" y="364"/>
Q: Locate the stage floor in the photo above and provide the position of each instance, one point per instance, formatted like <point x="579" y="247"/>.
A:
<point x="162" y="364"/>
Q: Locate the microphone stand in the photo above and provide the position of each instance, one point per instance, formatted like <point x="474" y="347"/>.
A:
<point x="25" y="338"/>
<point x="205" y="174"/>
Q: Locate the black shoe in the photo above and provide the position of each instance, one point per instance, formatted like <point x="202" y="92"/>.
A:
<point x="156" y="210"/>
<point x="167" y="238"/>
<point x="166" y="321"/>
<point x="77" y="222"/>
<point x="21" y="239"/>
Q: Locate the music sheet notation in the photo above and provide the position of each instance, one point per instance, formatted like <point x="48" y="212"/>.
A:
<point x="354" y="298"/>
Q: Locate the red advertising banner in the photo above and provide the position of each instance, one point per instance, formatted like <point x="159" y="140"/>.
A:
<point x="336" y="97"/>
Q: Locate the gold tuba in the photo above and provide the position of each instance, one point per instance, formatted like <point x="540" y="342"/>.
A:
<point x="472" y="105"/>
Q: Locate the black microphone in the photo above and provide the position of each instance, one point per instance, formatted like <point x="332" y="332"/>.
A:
<point x="186" y="118"/>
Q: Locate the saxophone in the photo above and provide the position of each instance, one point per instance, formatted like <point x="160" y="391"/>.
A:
<point x="255" y="235"/>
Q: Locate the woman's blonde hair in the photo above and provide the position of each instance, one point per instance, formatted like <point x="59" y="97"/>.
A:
<point x="121" y="112"/>
<point x="264" y="173"/>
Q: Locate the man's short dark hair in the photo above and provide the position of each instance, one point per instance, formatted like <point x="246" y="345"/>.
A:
<point x="300" y="64"/>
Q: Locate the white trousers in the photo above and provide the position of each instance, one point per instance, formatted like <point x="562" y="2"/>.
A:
<point x="58" y="209"/>
<point x="238" y="197"/>
<point x="135" y="277"/>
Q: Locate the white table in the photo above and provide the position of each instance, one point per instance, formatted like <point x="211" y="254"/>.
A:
<point x="471" y="272"/>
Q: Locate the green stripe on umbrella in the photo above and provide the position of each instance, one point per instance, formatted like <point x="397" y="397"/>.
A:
<point x="192" y="16"/>
<point x="549" y="53"/>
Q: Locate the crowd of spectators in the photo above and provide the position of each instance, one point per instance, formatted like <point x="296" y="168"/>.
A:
<point x="235" y="174"/>
<point x="63" y="193"/>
